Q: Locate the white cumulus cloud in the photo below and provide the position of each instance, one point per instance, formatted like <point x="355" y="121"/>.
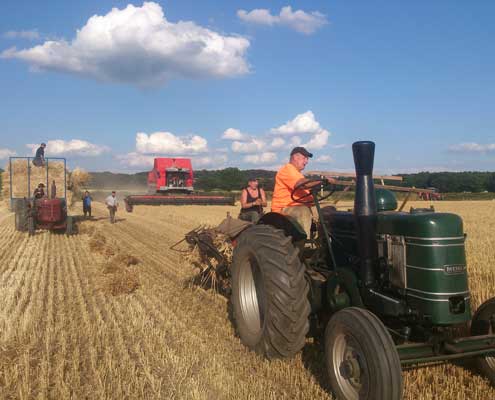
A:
<point x="303" y="124"/>
<point x="74" y="147"/>
<point x="6" y="153"/>
<point x="299" y="20"/>
<point x="136" y="160"/>
<point x="254" y="145"/>
<point x="145" y="161"/>
<point x="277" y="143"/>
<point x="29" y="35"/>
<point x="263" y="158"/>
<point x="168" y="143"/>
<point x="318" y="141"/>
<point x="139" y="46"/>
<point x="323" y="159"/>
<point x="216" y="161"/>
<point x="234" y="134"/>
<point x="472" y="147"/>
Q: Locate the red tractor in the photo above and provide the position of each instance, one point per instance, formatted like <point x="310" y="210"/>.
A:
<point x="431" y="194"/>
<point x="170" y="182"/>
<point x="37" y="210"/>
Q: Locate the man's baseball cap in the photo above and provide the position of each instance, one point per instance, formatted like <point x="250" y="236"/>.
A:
<point x="301" y="150"/>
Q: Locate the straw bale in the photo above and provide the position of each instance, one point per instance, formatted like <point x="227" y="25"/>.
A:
<point x="77" y="180"/>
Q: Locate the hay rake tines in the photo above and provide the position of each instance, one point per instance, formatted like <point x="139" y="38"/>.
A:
<point x="212" y="264"/>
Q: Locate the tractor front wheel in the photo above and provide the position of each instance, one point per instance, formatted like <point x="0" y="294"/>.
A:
<point x="362" y="362"/>
<point x="269" y="293"/>
<point x="483" y="323"/>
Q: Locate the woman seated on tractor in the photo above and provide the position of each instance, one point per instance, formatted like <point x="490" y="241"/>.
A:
<point x="253" y="199"/>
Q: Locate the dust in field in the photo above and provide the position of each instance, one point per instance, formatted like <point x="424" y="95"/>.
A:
<point x="62" y="335"/>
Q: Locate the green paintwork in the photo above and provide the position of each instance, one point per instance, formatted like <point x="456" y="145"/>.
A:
<point x="435" y="259"/>
<point x="385" y="200"/>
<point x="424" y="224"/>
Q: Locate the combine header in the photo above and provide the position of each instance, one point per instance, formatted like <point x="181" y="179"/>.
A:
<point x="170" y="182"/>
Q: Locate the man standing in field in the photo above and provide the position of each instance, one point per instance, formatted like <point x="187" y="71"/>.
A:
<point x="86" y="200"/>
<point x="39" y="158"/>
<point x="287" y="178"/>
<point x="112" y="203"/>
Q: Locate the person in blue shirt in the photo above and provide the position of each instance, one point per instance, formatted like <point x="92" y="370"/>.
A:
<point x="87" y="199"/>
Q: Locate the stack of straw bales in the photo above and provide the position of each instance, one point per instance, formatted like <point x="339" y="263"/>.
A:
<point x="56" y="173"/>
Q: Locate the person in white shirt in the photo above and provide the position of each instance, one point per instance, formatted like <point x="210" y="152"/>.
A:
<point x="112" y="203"/>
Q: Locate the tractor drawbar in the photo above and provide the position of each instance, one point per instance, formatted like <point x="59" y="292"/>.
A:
<point x="365" y="212"/>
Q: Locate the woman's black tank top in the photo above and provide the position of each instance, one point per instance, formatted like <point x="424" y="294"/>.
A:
<point x="251" y="199"/>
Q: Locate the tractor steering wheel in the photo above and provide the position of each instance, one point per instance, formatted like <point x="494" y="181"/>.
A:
<point x="313" y="187"/>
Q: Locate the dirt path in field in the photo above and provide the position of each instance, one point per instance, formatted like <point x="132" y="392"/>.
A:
<point x="63" y="334"/>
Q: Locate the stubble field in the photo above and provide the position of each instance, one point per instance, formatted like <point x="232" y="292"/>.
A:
<point x="106" y="315"/>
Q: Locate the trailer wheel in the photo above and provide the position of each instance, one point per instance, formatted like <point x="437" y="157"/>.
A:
<point x="69" y="229"/>
<point x="362" y="362"/>
<point x="269" y="293"/>
<point x="483" y="323"/>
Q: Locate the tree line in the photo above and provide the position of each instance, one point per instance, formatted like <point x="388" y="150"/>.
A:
<point x="446" y="182"/>
<point x="230" y="179"/>
<point x="453" y="182"/>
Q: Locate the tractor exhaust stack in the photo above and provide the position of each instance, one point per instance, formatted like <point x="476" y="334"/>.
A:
<point x="365" y="210"/>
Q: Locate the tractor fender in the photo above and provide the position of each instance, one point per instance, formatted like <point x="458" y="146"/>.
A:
<point x="284" y="222"/>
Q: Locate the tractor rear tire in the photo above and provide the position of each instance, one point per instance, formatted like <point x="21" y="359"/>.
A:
<point x="362" y="361"/>
<point x="21" y="215"/>
<point x="482" y="324"/>
<point x="269" y="293"/>
<point x="69" y="229"/>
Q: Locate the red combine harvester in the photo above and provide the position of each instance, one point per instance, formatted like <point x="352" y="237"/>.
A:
<point x="170" y="182"/>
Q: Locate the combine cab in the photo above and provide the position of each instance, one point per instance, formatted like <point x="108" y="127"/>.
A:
<point x="170" y="182"/>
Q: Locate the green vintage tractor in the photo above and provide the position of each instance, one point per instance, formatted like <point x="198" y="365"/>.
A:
<point x="386" y="289"/>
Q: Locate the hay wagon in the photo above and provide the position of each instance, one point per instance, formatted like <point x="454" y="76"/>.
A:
<point x="46" y="211"/>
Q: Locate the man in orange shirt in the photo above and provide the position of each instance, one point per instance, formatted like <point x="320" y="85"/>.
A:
<point x="287" y="178"/>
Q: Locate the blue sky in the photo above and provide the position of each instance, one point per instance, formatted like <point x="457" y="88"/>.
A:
<point x="242" y="82"/>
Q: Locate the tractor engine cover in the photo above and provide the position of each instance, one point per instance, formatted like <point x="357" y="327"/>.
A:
<point x="49" y="210"/>
<point x="424" y="255"/>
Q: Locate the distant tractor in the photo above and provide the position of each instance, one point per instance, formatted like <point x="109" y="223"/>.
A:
<point x="170" y="182"/>
<point x="44" y="212"/>
<point x="431" y="194"/>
